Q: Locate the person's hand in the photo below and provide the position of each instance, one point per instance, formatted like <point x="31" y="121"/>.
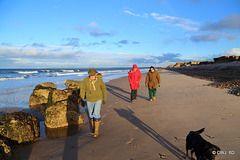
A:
<point x="158" y="85"/>
<point x="104" y="101"/>
<point x="146" y="85"/>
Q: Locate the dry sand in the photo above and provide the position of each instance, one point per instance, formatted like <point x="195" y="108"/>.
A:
<point x="146" y="130"/>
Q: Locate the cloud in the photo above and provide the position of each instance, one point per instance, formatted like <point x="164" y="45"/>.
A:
<point x="134" y="14"/>
<point x="164" y="58"/>
<point x="126" y="42"/>
<point x="74" y="42"/>
<point x="204" y="38"/>
<point x="93" y="31"/>
<point x="184" y="23"/>
<point x="135" y="42"/>
<point x="233" y="51"/>
<point x="37" y="54"/>
<point x="6" y="44"/>
<point x="94" y="43"/>
<point x="93" y="24"/>
<point x="37" y="45"/>
<point x="230" y="22"/>
<point x="176" y="21"/>
<point x="123" y="42"/>
<point x="228" y="36"/>
<point x="174" y="40"/>
<point x="99" y="33"/>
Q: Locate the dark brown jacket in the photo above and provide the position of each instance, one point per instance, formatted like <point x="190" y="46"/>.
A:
<point x="152" y="79"/>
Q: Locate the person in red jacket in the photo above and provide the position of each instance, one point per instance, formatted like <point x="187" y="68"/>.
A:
<point x="134" y="77"/>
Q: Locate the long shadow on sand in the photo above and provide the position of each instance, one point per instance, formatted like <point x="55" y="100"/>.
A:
<point x="113" y="89"/>
<point x="129" y="115"/>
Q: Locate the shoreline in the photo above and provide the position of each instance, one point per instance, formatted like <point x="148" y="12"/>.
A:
<point x="149" y="130"/>
<point x="223" y="75"/>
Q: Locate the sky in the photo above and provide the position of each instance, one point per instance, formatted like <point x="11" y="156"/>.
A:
<point x="119" y="33"/>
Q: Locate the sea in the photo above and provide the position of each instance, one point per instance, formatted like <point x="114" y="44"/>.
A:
<point x="16" y="85"/>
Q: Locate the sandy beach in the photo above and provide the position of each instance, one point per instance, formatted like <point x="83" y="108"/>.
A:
<point x="150" y="130"/>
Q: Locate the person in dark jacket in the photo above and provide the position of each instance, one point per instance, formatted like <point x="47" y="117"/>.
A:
<point x="134" y="77"/>
<point x="152" y="82"/>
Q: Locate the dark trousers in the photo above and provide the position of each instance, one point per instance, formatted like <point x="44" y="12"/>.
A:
<point x="152" y="92"/>
<point x="133" y="95"/>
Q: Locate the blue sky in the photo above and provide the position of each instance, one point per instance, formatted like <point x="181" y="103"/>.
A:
<point x="119" y="33"/>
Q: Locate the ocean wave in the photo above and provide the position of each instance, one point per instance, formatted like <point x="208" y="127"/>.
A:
<point x="44" y="71"/>
<point x="25" y="72"/>
<point x="67" y="70"/>
<point x="10" y="78"/>
<point x="67" y="74"/>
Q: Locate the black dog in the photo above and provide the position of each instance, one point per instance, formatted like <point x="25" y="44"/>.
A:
<point x="203" y="149"/>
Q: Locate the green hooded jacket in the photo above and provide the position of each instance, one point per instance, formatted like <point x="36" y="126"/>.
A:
<point x="93" y="90"/>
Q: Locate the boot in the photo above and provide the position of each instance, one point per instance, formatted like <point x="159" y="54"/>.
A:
<point x="96" y="132"/>
<point x="150" y="100"/>
<point x="92" y="127"/>
<point x="154" y="98"/>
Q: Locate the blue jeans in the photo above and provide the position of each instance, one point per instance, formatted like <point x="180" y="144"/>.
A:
<point x="94" y="110"/>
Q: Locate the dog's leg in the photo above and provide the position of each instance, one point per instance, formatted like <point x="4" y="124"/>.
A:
<point x="192" y="151"/>
<point x="186" y="153"/>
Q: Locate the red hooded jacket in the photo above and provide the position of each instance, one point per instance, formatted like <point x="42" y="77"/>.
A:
<point x="134" y="78"/>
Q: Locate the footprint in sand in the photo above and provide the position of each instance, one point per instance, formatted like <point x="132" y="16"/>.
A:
<point x="130" y="141"/>
<point x="222" y="108"/>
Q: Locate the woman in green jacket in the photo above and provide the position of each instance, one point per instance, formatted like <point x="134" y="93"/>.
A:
<point x="94" y="89"/>
<point x="152" y="82"/>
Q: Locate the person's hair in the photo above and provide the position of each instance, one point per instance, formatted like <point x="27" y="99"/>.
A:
<point x="151" y="67"/>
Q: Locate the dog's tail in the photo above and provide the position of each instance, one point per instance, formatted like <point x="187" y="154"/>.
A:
<point x="200" y="131"/>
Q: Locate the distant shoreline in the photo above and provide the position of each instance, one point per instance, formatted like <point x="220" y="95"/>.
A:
<point x="224" y="75"/>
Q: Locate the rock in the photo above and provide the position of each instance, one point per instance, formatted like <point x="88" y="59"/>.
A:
<point x="235" y="91"/>
<point x="39" y="99"/>
<point x="179" y="64"/>
<point x="73" y="95"/>
<point x="206" y="62"/>
<point x="5" y="149"/>
<point x="60" y="95"/>
<point x="60" y="107"/>
<point x="19" y="126"/>
<point x="46" y="94"/>
<point x="226" y="59"/>
<point x="73" y="84"/>
<point x="46" y="85"/>
<point x="62" y="114"/>
<point x="194" y="62"/>
<point x="170" y="66"/>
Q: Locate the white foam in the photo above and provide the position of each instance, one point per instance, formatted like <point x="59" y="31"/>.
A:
<point x="45" y="71"/>
<point x="67" y="70"/>
<point x="67" y="74"/>
<point x="6" y="79"/>
<point x="26" y="72"/>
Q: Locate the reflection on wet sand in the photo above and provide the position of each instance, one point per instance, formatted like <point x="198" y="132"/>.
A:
<point x="52" y="133"/>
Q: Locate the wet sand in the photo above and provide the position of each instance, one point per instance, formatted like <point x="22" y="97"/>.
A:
<point x="150" y="130"/>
